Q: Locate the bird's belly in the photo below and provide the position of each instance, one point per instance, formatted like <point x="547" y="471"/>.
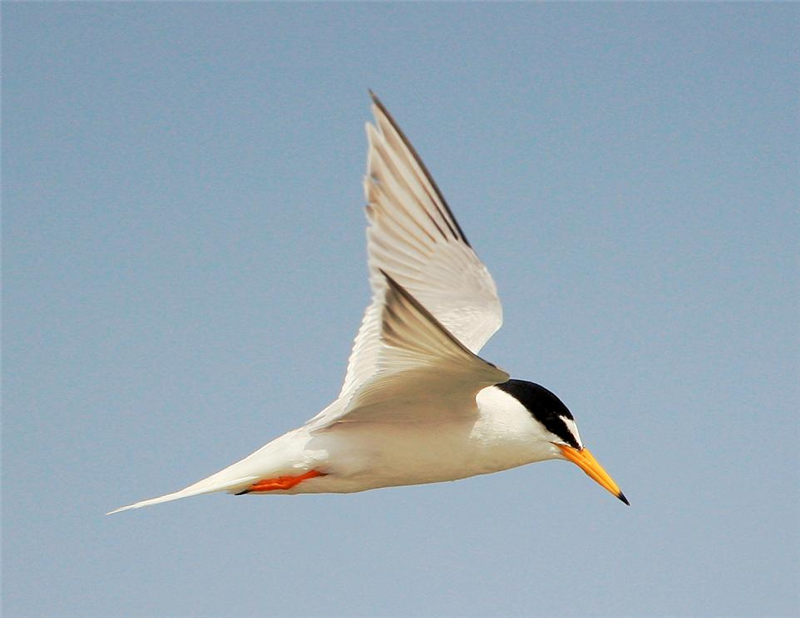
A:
<point x="361" y="456"/>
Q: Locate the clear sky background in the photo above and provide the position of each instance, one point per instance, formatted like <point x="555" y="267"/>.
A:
<point x="184" y="272"/>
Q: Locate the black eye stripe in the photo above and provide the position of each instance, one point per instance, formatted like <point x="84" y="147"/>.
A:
<point x="544" y="406"/>
<point x="564" y="433"/>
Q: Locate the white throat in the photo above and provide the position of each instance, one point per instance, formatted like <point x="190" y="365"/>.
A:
<point x="506" y="427"/>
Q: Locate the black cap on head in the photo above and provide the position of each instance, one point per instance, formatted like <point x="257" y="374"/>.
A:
<point x="544" y="406"/>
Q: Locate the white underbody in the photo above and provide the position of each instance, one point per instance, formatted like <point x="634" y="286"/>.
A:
<point x="361" y="455"/>
<point x="357" y="456"/>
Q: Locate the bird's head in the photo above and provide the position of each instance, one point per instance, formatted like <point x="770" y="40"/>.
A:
<point x="553" y="423"/>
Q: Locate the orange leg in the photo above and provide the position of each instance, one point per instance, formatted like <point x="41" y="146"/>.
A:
<point x="282" y="482"/>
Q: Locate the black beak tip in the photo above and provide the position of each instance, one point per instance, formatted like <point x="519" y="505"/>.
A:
<point x="622" y="497"/>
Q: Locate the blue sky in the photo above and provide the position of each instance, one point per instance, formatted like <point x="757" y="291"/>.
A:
<point x="184" y="271"/>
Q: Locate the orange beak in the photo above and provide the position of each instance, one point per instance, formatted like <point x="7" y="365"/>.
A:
<point x="586" y="462"/>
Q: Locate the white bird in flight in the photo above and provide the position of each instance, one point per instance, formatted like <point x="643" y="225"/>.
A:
<point x="417" y="405"/>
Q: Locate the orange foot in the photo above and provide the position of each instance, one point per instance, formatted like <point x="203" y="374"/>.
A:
<point x="281" y="482"/>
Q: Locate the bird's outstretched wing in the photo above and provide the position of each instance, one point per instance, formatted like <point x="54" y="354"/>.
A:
<point x="420" y="371"/>
<point x="415" y="239"/>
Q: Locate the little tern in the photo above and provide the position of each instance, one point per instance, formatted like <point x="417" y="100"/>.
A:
<point x="418" y="404"/>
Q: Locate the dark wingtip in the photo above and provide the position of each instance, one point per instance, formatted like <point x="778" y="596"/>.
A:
<point x="450" y="219"/>
<point x="622" y="497"/>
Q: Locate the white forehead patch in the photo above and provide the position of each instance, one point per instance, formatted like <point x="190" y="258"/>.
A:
<point x="573" y="429"/>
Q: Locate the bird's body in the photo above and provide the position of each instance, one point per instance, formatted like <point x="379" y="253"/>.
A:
<point x="417" y="405"/>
